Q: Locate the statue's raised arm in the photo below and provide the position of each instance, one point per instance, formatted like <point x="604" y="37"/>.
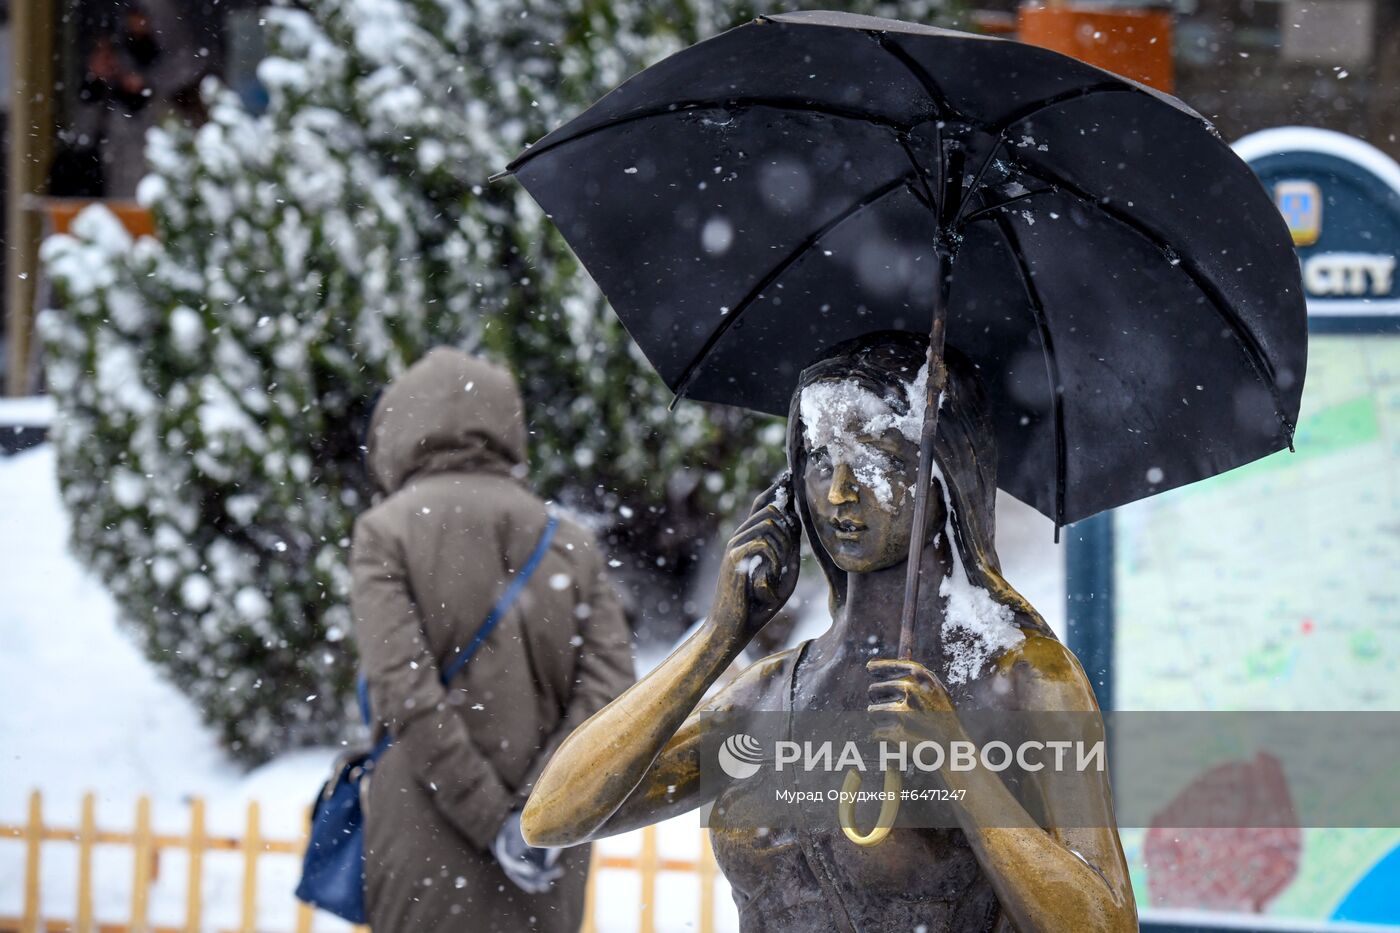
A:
<point x="636" y="761"/>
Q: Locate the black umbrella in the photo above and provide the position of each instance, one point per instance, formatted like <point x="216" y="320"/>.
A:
<point x="1121" y="279"/>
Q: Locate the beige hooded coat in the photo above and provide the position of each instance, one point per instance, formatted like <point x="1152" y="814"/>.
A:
<point x="447" y="447"/>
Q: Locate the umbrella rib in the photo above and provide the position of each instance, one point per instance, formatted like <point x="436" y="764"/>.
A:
<point x="693" y="367"/>
<point x="937" y="99"/>
<point x="900" y="54"/>
<point x="1030" y="110"/>
<point x="1249" y="343"/>
<point x="1052" y="366"/>
<point x="992" y="208"/>
<point x="735" y="103"/>
<point x="977" y="178"/>
<point x="928" y="198"/>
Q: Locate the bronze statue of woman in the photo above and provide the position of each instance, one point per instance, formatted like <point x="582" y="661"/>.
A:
<point x="853" y="434"/>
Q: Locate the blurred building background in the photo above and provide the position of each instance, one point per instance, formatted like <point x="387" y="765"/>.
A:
<point x="86" y="78"/>
<point x="95" y="73"/>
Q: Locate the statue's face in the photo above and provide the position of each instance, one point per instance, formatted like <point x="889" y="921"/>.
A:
<point x="860" y="491"/>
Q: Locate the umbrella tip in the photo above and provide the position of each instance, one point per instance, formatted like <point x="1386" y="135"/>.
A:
<point x="502" y="174"/>
<point x="1057" y="533"/>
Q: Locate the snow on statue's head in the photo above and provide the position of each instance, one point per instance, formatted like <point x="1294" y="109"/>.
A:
<point x="853" y="448"/>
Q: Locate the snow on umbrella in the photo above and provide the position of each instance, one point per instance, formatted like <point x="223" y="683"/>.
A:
<point x="1121" y="280"/>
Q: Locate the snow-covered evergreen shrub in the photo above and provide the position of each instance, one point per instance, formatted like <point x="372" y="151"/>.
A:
<point x="214" y="385"/>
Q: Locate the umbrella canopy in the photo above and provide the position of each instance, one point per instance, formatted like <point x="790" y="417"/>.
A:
<point x="1121" y="279"/>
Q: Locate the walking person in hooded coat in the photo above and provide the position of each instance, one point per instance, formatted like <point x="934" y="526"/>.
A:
<point x="446" y="446"/>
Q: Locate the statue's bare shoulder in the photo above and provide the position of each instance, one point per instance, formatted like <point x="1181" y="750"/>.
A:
<point x="1047" y="675"/>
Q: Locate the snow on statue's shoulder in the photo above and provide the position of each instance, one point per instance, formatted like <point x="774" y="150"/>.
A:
<point x="976" y="628"/>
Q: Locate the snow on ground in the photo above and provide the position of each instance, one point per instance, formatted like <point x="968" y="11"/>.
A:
<point x="83" y="711"/>
<point x="30" y="411"/>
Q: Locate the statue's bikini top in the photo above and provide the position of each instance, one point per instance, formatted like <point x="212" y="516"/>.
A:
<point x="794" y="880"/>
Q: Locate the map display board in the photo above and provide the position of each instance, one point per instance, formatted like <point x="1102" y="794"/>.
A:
<point x="1275" y="586"/>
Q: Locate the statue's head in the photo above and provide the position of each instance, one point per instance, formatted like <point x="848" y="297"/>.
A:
<point x="860" y="411"/>
<point x="853" y="445"/>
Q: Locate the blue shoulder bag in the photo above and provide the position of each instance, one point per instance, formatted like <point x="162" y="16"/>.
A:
<point x="333" y="869"/>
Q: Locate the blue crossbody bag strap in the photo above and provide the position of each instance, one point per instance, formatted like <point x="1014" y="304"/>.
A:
<point x="498" y="611"/>
<point x="503" y="604"/>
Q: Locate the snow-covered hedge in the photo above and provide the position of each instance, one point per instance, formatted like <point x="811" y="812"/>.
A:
<point x="214" y="385"/>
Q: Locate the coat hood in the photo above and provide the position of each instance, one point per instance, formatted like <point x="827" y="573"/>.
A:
<point x="447" y="412"/>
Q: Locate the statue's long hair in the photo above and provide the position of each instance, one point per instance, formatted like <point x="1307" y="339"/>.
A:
<point x="964" y="451"/>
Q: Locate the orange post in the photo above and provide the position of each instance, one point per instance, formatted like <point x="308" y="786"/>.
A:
<point x="590" y="892"/>
<point x="33" y="839"/>
<point x="141" y="873"/>
<point x="87" y="834"/>
<point x="194" y="883"/>
<point x="32" y="40"/>
<point x="647" y="867"/>
<point x="1136" y="44"/>
<point x="252" y="848"/>
<point x="305" y="912"/>
<point x="708" y="869"/>
<point x="61" y="212"/>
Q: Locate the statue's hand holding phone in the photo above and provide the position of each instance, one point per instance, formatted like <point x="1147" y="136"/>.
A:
<point x="761" y="559"/>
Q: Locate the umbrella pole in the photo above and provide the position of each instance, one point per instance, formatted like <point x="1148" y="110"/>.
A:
<point x="937" y="380"/>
